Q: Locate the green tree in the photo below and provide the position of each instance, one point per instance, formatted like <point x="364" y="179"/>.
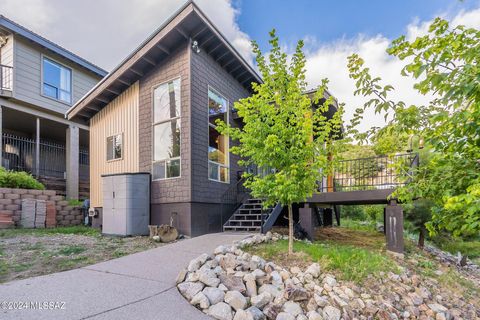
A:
<point x="281" y="131"/>
<point x="445" y="63"/>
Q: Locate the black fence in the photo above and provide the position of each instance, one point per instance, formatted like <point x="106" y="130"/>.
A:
<point x="385" y="172"/>
<point x="19" y="154"/>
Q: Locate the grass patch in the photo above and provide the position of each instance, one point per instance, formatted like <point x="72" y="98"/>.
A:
<point x="348" y="262"/>
<point x="21" y="267"/>
<point x="358" y="225"/>
<point x="72" y="250"/>
<point x="77" y="230"/>
<point x="458" y="284"/>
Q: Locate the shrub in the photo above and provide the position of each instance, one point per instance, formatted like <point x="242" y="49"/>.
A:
<point x="20" y="179"/>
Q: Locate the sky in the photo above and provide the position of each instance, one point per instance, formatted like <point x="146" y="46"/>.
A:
<point x="106" y="31"/>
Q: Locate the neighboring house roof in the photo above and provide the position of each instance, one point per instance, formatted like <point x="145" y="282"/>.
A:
<point x="18" y="29"/>
<point x="189" y="23"/>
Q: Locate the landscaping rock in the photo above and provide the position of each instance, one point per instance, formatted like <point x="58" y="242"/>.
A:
<point x="214" y="295"/>
<point x="181" y="276"/>
<point x="196" y="263"/>
<point x="271" y="310"/>
<point x="292" y="308"/>
<point x="314" y="270"/>
<point x="314" y="315"/>
<point x="285" y="316"/>
<point x="233" y="283"/>
<point x="296" y="294"/>
<point x="261" y="300"/>
<point x="220" y="311"/>
<point x="190" y="289"/>
<point x="201" y="300"/>
<point x="236" y="300"/>
<point x="208" y="277"/>
<point x="256" y="313"/>
<point x="243" y="315"/>
<point x="331" y="313"/>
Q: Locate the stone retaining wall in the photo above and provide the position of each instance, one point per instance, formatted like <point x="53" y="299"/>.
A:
<point x="11" y="204"/>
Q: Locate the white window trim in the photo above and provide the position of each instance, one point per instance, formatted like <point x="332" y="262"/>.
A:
<point x="42" y="93"/>
<point x="123" y="147"/>
<point x="227" y="111"/>
<point x="163" y="121"/>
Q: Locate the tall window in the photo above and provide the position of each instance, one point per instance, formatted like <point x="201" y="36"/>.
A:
<point x="166" y="130"/>
<point x="57" y="81"/>
<point x="218" y="144"/>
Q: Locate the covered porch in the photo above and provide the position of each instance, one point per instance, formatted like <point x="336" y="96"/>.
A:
<point x="55" y="152"/>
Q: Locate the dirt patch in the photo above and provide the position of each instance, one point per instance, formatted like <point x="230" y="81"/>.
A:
<point x="345" y="236"/>
<point x="27" y="255"/>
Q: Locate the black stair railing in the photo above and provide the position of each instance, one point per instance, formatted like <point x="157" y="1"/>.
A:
<point x="232" y="199"/>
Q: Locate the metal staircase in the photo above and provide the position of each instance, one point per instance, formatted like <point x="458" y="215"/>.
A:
<point x="248" y="217"/>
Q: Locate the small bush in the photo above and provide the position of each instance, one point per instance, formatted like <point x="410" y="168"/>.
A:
<point x="20" y="179"/>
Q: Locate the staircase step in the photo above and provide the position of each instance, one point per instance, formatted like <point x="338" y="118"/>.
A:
<point x="238" y="228"/>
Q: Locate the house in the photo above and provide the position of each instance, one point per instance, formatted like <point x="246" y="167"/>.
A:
<point x="155" y="113"/>
<point x="39" y="82"/>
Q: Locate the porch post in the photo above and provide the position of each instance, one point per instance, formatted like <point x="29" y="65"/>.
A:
<point x="37" y="149"/>
<point x="72" y="161"/>
<point x="394" y="227"/>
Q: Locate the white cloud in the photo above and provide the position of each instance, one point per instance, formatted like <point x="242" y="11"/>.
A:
<point x="330" y="61"/>
<point x="106" y="31"/>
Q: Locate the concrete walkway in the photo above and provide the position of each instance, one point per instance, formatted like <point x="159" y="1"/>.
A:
<point x="138" y="286"/>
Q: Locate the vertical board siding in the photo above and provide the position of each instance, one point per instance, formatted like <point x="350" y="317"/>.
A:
<point x="119" y="117"/>
<point x="28" y="77"/>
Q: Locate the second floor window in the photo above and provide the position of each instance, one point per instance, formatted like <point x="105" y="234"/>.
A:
<point x="57" y="81"/>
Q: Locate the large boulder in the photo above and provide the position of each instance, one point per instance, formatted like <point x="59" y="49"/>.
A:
<point x="196" y="263"/>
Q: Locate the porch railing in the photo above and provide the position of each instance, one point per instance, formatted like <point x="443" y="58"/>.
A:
<point x="6" y="77"/>
<point x="19" y="154"/>
<point x="373" y="173"/>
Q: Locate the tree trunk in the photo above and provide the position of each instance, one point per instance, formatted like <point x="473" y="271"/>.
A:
<point x="421" y="237"/>
<point x="290" y="229"/>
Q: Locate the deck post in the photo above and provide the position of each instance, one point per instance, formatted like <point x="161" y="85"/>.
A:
<point x="394" y="227"/>
<point x="307" y="220"/>
<point x="327" y="217"/>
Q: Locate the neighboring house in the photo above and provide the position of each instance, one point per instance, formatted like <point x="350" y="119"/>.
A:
<point x="156" y="112"/>
<point x="39" y="82"/>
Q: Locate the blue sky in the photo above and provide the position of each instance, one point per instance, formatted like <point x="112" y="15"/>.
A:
<point x="331" y="20"/>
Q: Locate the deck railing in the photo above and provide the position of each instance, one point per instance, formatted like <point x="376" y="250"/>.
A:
<point x="19" y="154"/>
<point x="6" y="77"/>
<point x="384" y="172"/>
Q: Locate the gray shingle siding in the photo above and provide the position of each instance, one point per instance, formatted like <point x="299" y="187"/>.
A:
<point x="206" y="72"/>
<point x="177" y="65"/>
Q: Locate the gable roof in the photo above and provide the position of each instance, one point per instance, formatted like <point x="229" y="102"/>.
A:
<point x="189" y="23"/>
<point x="18" y="29"/>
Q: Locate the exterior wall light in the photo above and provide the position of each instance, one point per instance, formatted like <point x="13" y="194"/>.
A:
<point x="195" y="46"/>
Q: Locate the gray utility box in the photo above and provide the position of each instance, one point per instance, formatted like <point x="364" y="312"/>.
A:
<point x="126" y="204"/>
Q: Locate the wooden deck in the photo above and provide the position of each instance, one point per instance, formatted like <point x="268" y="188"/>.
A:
<point x="379" y="196"/>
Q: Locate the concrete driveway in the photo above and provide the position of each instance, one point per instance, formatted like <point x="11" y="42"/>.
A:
<point x="138" y="286"/>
